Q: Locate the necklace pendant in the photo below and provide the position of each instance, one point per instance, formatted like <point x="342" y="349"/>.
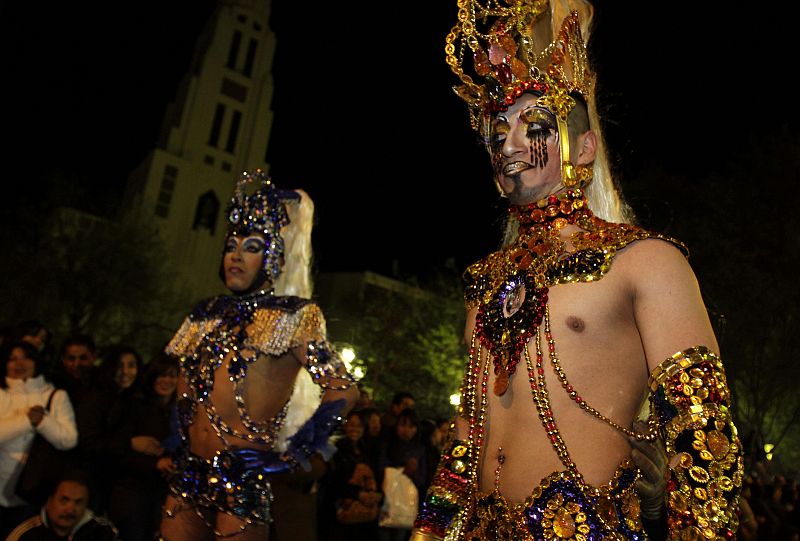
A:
<point x="501" y="381"/>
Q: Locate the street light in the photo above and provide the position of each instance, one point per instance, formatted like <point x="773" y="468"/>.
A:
<point x="348" y="354"/>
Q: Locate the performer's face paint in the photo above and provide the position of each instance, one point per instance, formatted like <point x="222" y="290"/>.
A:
<point x="525" y="151"/>
<point x="242" y="261"/>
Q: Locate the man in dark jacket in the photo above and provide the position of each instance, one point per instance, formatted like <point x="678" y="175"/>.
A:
<point x="66" y="516"/>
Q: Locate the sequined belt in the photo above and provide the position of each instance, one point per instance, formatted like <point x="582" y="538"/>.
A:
<point x="560" y="509"/>
<point x="233" y="481"/>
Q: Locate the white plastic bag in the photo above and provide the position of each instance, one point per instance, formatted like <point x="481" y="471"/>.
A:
<point x="400" y="500"/>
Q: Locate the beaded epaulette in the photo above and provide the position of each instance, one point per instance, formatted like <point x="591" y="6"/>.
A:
<point x="275" y="326"/>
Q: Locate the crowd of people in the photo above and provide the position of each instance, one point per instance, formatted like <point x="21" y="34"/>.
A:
<point x="769" y="507"/>
<point x="111" y="418"/>
<point x="113" y="423"/>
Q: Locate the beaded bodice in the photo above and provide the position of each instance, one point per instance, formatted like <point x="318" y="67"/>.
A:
<point x="236" y="330"/>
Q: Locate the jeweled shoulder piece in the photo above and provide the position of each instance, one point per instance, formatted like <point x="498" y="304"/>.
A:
<point x="276" y="331"/>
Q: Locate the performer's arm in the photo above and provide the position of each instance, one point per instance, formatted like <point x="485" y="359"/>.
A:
<point x="448" y="493"/>
<point x="339" y="392"/>
<point x="689" y="394"/>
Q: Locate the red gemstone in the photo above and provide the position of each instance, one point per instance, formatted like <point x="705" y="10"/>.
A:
<point x="569" y="388"/>
<point x="578" y="399"/>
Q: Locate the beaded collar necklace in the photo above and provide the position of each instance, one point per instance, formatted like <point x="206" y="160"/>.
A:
<point x="507" y="322"/>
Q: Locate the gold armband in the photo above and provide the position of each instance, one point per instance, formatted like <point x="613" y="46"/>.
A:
<point x="691" y="401"/>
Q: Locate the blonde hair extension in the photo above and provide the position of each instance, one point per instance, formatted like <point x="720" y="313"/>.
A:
<point x="295" y="276"/>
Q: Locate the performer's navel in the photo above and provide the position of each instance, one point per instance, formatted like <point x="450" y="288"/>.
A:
<point x="575" y="324"/>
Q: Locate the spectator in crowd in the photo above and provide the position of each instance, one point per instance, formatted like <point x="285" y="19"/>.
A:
<point x="24" y="398"/>
<point x="371" y="440"/>
<point x="66" y="516"/>
<point x="364" y="398"/>
<point x="140" y="487"/>
<point x="345" y="513"/>
<point x="404" y="449"/>
<point x="75" y="368"/>
<point x="109" y="404"/>
<point x="400" y="401"/>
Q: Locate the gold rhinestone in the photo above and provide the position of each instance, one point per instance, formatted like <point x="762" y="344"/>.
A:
<point x="698" y="445"/>
<point x="564" y="524"/>
<point x="678" y="501"/>
<point x="718" y="443"/>
<point x="698" y="474"/>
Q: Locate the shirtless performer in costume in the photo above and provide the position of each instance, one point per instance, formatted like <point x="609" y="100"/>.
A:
<point x="249" y="365"/>
<point x="575" y="321"/>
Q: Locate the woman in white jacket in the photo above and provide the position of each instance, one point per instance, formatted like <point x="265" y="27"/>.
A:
<point x="24" y="393"/>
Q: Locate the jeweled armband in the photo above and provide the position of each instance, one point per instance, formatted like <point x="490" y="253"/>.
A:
<point x="691" y="400"/>
<point x="448" y="494"/>
<point x="325" y="366"/>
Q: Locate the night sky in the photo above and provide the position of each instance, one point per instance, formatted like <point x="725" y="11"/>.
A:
<point x="365" y="118"/>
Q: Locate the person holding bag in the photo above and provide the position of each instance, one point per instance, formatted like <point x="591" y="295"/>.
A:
<point x="29" y="406"/>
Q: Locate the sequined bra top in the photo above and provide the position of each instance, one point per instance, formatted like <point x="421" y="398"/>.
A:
<point x="239" y="329"/>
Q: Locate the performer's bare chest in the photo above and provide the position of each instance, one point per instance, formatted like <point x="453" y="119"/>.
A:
<point x="589" y="330"/>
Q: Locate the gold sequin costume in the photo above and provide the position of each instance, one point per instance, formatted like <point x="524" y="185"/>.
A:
<point x="689" y="403"/>
<point x="237" y="330"/>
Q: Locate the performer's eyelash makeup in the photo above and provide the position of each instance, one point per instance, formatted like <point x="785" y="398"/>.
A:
<point x="253" y="245"/>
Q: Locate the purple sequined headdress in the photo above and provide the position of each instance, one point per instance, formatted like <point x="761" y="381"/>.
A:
<point x="264" y="212"/>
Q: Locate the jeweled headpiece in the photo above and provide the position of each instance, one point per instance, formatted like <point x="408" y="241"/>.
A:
<point x="264" y="212"/>
<point x="503" y="48"/>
